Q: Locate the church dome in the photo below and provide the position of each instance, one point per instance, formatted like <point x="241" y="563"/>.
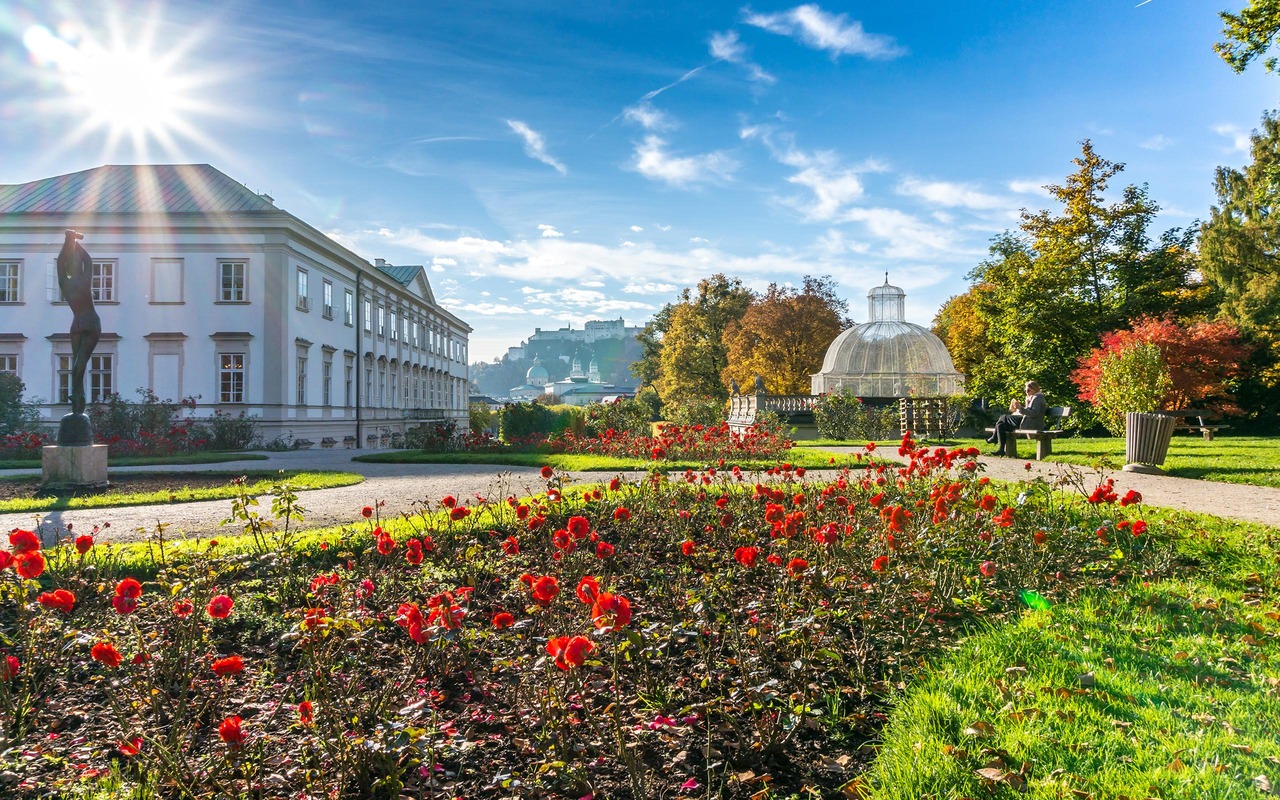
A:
<point x="887" y="356"/>
<point x="537" y="375"/>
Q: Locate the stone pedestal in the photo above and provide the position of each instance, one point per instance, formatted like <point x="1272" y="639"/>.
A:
<point x="75" y="469"/>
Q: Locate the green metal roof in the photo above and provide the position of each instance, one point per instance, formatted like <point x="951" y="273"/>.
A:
<point x="133" y="189"/>
<point x="401" y="275"/>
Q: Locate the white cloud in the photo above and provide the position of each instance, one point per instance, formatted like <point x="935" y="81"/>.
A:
<point x="945" y="193"/>
<point x="612" y="306"/>
<point x="649" y="288"/>
<point x="905" y="236"/>
<point x="535" y="146"/>
<point x="699" y="240"/>
<point x="1240" y="141"/>
<point x="444" y="262"/>
<point x="663" y="228"/>
<point x="834" y="186"/>
<point x="648" y="117"/>
<point x="1036" y="187"/>
<point x="482" y="309"/>
<point x="637" y="229"/>
<point x="727" y="47"/>
<point x="592" y="284"/>
<point x="835" y="33"/>
<point x="655" y="163"/>
<point x="437" y="268"/>
<point x="628" y="244"/>
<point x="1157" y="142"/>
<point x="550" y="232"/>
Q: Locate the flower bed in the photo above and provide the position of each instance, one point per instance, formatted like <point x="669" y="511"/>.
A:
<point x="715" y="634"/>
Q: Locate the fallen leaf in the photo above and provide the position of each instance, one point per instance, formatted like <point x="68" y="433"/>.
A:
<point x="980" y="729"/>
<point x="1262" y="783"/>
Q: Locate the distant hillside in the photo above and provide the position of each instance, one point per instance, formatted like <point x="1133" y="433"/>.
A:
<point x="611" y="343"/>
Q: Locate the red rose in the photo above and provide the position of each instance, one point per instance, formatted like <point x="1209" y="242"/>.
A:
<point x="448" y="501"/>
<point x="588" y="588"/>
<point x="459" y="513"/>
<point x="365" y="512"/>
<point x="229" y="731"/>
<point x="9" y="667"/>
<point x="547" y="471"/>
<point x="220" y="607"/>
<point x="29" y="564"/>
<point x="610" y="611"/>
<point x="796" y="567"/>
<point x="615" y="484"/>
<point x="578" y="527"/>
<point x="124" y="605"/>
<point x="23" y="541"/>
<point x="511" y="545"/>
<point x="604" y="550"/>
<point x="687" y="547"/>
<point x="569" y="652"/>
<point x="880" y="563"/>
<point x="987" y="568"/>
<point x="106" y="653"/>
<point x="84" y="543"/>
<point x="503" y="620"/>
<point x="129" y="588"/>
<point x="621" y="514"/>
<point x="6" y="559"/>
<point x="306" y="715"/>
<point x="231" y="665"/>
<point x="58" y="599"/>
<point x="183" y="609"/>
<point x="386" y="545"/>
<point x="746" y="556"/>
<point x="545" y="589"/>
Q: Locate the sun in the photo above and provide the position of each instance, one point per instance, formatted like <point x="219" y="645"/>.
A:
<point x="130" y="93"/>
<point x="122" y="87"/>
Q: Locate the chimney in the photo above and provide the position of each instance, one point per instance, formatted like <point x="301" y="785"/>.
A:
<point x="382" y="262"/>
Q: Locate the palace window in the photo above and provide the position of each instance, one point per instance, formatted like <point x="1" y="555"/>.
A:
<point x="327" y="308"/>
<point x="10" y="273"/>
<point x="231" y="374"/>
<point x="231" y="281"/>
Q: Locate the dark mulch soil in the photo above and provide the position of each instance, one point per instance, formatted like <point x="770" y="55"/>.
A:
<point x="121" y="483"/>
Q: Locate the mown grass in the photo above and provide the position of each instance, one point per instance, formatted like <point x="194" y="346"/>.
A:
<point x="808" y="458"/>
<point x="261" y="482"/>
<point x="1251" y="460"/>
<point x="149" y="461"/>
<point x="1166" y="690"/>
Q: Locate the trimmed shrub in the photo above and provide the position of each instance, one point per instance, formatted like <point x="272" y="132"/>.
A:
<point x="845" y="417"/>
<point x="1133" y="379"/>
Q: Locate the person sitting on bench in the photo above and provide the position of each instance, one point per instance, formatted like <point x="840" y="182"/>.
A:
<point x="1028" y="415"/>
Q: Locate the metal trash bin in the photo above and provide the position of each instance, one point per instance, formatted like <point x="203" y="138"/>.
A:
<point x="1146" y="440"/>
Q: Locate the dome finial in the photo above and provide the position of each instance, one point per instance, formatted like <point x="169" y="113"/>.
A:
<point x="886" y="277"/>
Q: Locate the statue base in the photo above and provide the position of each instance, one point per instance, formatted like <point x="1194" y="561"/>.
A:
<point x="75" y="431"/>
<point x="75" y="469"/>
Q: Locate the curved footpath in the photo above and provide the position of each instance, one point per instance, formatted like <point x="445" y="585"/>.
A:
<point x="403" y="487"/>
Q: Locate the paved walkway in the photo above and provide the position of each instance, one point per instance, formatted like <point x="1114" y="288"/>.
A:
<point x="403" y="487"/>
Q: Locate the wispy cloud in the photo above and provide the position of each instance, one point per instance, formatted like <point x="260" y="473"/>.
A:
<point x="728" y="47"/>
<point x="834" y="185"/>
<point x="1239" y="138"/>
<point x="1035" y="187"/>
<point x="648" y="117"/>
<point x="1157" y="142"/>
<point x="649" y="288"/>
<point x="550" y="232"/>
<point x="905" y="236"/>
<point x="834" y="33"/>
<point x="650" y="95"/>
<point x="652" y="160"/>
<point x="951" y="195"/>
<point x="535" y="146"/>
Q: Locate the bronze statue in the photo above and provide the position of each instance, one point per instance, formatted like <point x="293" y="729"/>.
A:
<point x="760" y="388"/>
<point x="734" y="389"/>
<point x="75" y="278"/>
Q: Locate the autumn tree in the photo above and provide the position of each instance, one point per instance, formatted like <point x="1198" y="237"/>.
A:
<point x="1204" y="361"/>
<point x="1249" y="34"/>
<point x="684" y="351"/>
<point x="963" y="329"/>
<point x="784" y="335"/>
<point x="1066" y="276"/>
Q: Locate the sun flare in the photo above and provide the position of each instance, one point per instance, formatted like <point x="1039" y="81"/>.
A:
<point x="123" y="87"/>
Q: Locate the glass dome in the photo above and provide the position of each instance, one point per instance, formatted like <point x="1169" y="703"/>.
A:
<point x="888" y="357"/>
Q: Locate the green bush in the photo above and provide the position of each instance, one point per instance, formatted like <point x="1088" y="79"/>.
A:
<point x="15" y="413"/>
<point x="118" y="418"/>
<point x="223" y="431"/>
<point x="705" y="411"/>
<point x="521" y="420"/>
<point x="845" y="417"/>
<point x="479" y="417"/>
<point x="1133" y="379"/>
<point x="624" y="416"/>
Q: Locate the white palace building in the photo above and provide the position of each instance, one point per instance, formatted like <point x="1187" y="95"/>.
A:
<point x="208" y="290"/>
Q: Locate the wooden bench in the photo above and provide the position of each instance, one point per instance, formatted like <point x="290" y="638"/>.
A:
<point x="1043" y="438"/>
<point x="328" y="442"/>
<point x="1202" y="422"/>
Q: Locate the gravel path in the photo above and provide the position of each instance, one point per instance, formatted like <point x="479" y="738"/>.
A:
<point x="401" y="487"/>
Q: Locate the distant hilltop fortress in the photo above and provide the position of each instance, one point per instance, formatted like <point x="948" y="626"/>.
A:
<point x="609" y="347"/>
<point x="592" y="331"/>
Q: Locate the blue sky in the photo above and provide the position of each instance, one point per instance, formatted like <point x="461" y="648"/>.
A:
<point x="554" y="162"/>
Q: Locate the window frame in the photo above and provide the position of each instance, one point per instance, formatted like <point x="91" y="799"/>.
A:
<point x="348" y="308"/>
<point x="182" y="280"/>
<point x="14" y="280"/>
<point x="326" y="298"/>
<point x="224" y="371"/>
<point x="223" y="265"/>
<point x="302" y="288"/>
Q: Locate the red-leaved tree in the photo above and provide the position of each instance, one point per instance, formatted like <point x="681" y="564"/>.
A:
<point x="1204" y="360"/>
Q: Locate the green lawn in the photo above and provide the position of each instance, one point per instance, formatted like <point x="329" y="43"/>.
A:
<point x="1253" y="460"/>
<point x="1162" y="690"/>
<point x="261" y="482"/>
<point x="801" y="457"/>
<point x="150" y="461"/>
